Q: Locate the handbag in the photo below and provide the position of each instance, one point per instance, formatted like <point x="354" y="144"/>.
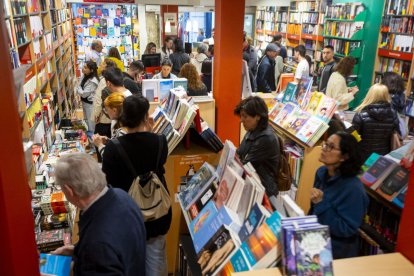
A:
<point x="395" y="141"/>
<point x="284" y="178"/>
<point x="147" y="190"/>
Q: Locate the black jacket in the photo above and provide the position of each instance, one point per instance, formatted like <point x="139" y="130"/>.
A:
<point x="398" y="102"/>
<point x="252" y="59"/>
<point x="261" y="149"/>
<point x="376" y="123"/>
<point x="111" y="237"/>
<point x="265" y="79"/>
<point x="131" y="85"/>
<point x="198" y="92"/>
<point x="142" y="148"/>
<point x="326" y="73"/>
<point x="178" y="60"/>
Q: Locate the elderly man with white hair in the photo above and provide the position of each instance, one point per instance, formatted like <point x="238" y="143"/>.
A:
<point x="96" y="52"/>
<point x="112" y="234"/>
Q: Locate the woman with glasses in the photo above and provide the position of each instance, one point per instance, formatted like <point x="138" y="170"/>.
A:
<point x="338" y="197"/>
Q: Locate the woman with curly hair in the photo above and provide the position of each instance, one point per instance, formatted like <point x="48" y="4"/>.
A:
<point x="338" y="197"/>
<point x="195" y="86"/>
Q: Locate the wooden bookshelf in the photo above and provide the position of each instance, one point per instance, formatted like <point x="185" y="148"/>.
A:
<point x="41" y="57"/>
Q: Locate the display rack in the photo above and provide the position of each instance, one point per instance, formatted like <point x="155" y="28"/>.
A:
<point x="41" y="45"/>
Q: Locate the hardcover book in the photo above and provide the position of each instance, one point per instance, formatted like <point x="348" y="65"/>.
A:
<point x="395" y="181"/>
<point x="55" y="264"/>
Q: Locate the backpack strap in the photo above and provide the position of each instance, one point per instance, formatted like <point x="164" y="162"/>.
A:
<point x="125" y="157"/>
<point x="160" y="148"/>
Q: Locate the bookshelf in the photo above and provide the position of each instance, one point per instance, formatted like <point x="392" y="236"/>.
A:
<point x="396" y="41"/>
<point x="40" y="42"/>
<point x="270" y="21"/>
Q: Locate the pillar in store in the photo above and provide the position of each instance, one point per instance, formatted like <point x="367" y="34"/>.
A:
<point x="17" y="225"/>
<point x="227" y="72"/>
<point x="166" y="12"/>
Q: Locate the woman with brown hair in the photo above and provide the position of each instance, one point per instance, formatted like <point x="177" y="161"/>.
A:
<point x="114" y="55"/>
<point x="150" y="49"/>
<point x="337" y="87"/>
<point x="195" y="86"/>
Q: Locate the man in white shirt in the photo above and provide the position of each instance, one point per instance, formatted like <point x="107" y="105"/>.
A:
<point x="96" y="52"/>
<point x="303" y="66"/>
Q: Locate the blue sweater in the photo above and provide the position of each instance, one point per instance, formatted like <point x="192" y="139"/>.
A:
<point x="342" y="208"/>
<point x="112" y="237"/>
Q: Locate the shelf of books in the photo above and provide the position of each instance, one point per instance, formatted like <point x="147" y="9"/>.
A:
<point x="110" y="23"/>
<point x="396" y="41"/>
<point x="270" y="21"/>
<point x="39" y="36"/>
<point x="386" y="182"/>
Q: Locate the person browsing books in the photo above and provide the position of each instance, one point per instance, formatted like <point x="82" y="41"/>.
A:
<point x="141" y="147"/>
<point x="326" y="71"/>
<point x="166" y="67"/>
<point x="303" y="66"/>
<point x="337" y="87"/>
<point x="195" y="86"/>
<point x="265" y="78"/>
<point x="111" y="226"/>
<point x="115" y="81"/>
<point x="338" y="197"/>
<point x="376" y="122"/>
<point x="260" y="145"/>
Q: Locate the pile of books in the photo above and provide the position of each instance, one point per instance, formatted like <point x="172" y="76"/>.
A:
<point x="387" y="178"/>
<point x="307" y="248"/>
<point x="176" y="115"/>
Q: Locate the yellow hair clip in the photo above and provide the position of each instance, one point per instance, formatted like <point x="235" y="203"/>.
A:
<point x="356" y="135"/>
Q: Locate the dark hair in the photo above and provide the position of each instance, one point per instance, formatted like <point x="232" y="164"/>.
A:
<point x="253" y="106"/>
<point x="109" y="63"/>
<point x="393" y="81"/>
<point x="178" y="46"/>
<point x="309" y="60"/>
<point x="167" y="61"/>
<point x="114" y="76"/>
<point x="163" y="48"/>
<point x="94" y="74"/>
<point x="134" y="110"/>
<point x="349" y="147"/>
<point x="113" y="52"/>
<point x="206" y="67"/>
<point x="301" y="50"/>
<point x="345" y="66"/>
<point x="277" y="38"/>
<point x="211" y="49"/>
<point x="328" y="47"/>
<point x="137" y="65"/>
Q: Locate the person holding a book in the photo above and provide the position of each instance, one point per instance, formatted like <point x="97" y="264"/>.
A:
<point x="376" y="122"/>
<point x="141" y="147"/>
<point x="328" y="67"/>
<point x="111" y="226"/>
<point x="302" y="70"/>
<point x="338" y="197"/>
<point x="265" y="78"/>
<point x="260" y="145"/>
<point x="166" y="67"/>
<point x="337" y="87"/>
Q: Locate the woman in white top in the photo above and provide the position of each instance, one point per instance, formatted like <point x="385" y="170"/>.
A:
<point x="86" y="90"/>
<point x="167" y="49"/>
<point x="337" y="87"/>
<point x="166" y="67"/>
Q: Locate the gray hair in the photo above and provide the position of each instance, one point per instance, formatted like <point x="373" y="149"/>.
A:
<point x="95" y="43"/>
<point x="202" y="48"/>
<point x="81" y="172"/>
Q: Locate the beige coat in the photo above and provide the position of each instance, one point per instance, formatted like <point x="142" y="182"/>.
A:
<point x="338" y="90"/>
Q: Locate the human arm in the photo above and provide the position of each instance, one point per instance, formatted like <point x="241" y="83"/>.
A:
<point x="261" y="80"/>
<point x="337" y="89"/>
<point x="342" y="212"/>
<point x="97" y="100"/>
<point x="66" y="250"/>
<point x="88" y="89"/>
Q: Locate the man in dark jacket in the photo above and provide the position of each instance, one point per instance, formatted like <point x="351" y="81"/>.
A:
<point x="265" y="78"/>
<point x="111" y="227"/>
<point x="277" y="39"/>
<point x="132" y="78"/>
<point x="252" y="54"/>
<point x="328" y="68"/>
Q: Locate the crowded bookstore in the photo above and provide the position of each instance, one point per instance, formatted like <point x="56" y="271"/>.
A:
<point x="207" y="137"/>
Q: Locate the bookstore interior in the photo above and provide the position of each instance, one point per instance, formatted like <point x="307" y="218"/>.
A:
<point x="245" y="94"/>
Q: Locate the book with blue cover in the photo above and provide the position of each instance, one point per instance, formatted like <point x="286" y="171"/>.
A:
<point x="165" y="87"/>
<point x="289" y="95"/>
<point x="55" y="264"/>
<point x="203" y="218"/>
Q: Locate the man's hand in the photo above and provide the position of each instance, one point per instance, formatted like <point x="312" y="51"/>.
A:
<point x="316" y="195"/>
<point x="66" y="250"/>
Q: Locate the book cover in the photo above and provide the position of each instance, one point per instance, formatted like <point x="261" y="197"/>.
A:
<point x="150" y="90"/>
<point x="197" y="185"/>
<point x="400" y="198"/>
<point x="204" y="199"/>
<point x="55" y="264"/>
<point x="203" y="218"/>
<point x="378" y="169"/>
<point x="237" y="263"/>
<point x="289" y="95"/>
<point x="326" y="108"/>
<point x="309" y="129"/>
<point x="181" y="82"/>
<point x="303" y="89"/>
<point x="165" y="86"/>
<point x="254" y="220"/>
<point x="314" y="102"/>
<point x="284" y="113"/>
<point x="275" y="110"/>
<point x="296" y="121"/>
<point x="216" y="251"/>
<point x="395" y="181"/>
<point x="227" y="154"/>
<point x="313" y="251"/>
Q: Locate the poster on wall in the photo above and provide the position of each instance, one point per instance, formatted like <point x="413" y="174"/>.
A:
<point x="170" y="23"/>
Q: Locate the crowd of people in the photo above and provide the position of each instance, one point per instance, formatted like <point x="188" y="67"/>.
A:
<point x="117" y="114"/>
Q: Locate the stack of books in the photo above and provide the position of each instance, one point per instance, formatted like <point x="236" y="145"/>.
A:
<point x="157" y="90"/>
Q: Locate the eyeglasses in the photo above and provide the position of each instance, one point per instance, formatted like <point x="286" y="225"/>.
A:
<point x="328" y="147"/>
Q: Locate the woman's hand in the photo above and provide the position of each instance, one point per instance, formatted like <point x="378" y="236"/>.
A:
<point x="353" y="90"/>
<point x="99" y="140"/>
<point x="316" y="195"/>
<point x="66" y="250"/>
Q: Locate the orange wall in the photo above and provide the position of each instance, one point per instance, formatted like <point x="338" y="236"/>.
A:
<point x="227" y="83"/>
